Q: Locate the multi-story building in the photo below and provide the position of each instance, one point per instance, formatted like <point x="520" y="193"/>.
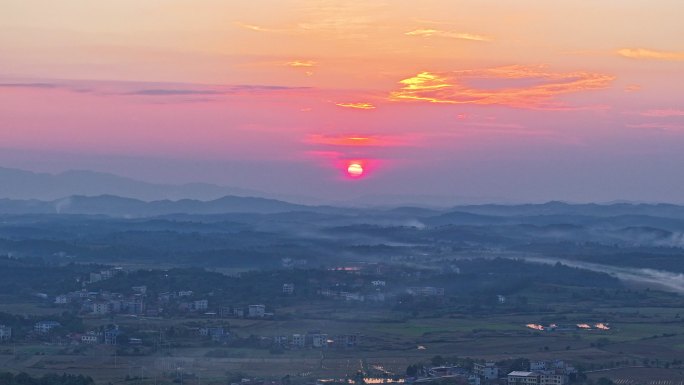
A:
<point x="319" y="340"/>
<point x="95" y="277"/>
<point x="256" y="311"/>
<point x="199" y="305"/>
<point x="45" y="326"/>
<point x="5" y="333"/>
<point x="523" y="378"/>
<point x="100" y="307"/>
<point x="90" y="338"/>
<point x="347" y="340"/>
<point x="62" y="299"/>
<point x="288" y="288"/>
<point x="111" y="335"/>
<point x="548" y="377"/>
<point x="298" y="340"/>
<point x="238" y="312"/>
<point x="553" y="379"/>
<point x="133" y="305"/>
<point x="487" y="371"/>
<point x="280" y="340"/>
<point x="217" y="334"/>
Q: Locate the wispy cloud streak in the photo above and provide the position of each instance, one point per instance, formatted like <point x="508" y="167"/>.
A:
<point x="642" y="53"/>
<point x="428" y="32"/>
<point x="358" y="106"/>
<point x="662" y="113"/>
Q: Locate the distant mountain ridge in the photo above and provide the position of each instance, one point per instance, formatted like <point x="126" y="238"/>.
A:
<point x="21" y="184"/>
<point x="116" y="206"/>
<point x="664" y="210"/>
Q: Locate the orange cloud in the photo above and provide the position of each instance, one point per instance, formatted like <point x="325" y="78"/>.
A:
<point x="301" y="63"/>
<point x="642" y="53"/>
<point x="662" y="113"/>
<point x="514" y="86"/>
<point x="357" y="140"/>
<point x="447" y="34"/>
<point x="360" y="106"/>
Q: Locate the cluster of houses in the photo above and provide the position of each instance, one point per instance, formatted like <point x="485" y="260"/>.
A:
<point x="108" y="337"/>
<point x="250" y="311"/>
<point x="105" y="274"/>
<point x="105" y="302"/>
<point x="312" y="339"/>
<point x="480" y="374"/>
<point x="540" y="373"/>
<point x="341" y="294"/>
<point x="426" y="291"/>
<point x="317" y="340"/>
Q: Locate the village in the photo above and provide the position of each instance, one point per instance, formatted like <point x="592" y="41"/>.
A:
<point x="132" y="323"/>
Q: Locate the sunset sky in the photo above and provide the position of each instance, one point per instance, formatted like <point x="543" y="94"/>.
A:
<point x="506" y="101"/>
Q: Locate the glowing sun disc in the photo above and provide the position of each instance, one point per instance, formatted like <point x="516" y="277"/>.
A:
<point x="355" y="170"/>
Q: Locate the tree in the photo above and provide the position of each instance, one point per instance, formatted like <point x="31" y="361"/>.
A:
<point x="437" y="361"/>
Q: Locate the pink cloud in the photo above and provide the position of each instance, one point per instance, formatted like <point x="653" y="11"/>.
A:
<point x="663" y="113"/>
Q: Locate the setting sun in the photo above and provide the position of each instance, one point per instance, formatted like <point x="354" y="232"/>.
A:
<point x="355" y="170"/>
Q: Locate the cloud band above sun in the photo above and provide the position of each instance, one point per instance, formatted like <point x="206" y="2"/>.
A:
<point x="513" y="86"/>
<point x="359" y="140"/>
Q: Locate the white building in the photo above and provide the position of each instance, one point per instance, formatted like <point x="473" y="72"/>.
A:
<point x="90" y="338"/>
<point x="62" y="299"/>
<point x="256" y="311"/>
<point x="45" y="326"/>
<point x="319" y="340"/>
<point x="95" y="277"/>
<point x="200" y="305"/>
<point x="298" y="340"/>
<point x="100" y="308"/>
<point x="488" y="370"/>
<point x="288" y="288"/>
<point x="5" y="333"/>
<point x="523" y="378"/>
<point x="280" y="340"/>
